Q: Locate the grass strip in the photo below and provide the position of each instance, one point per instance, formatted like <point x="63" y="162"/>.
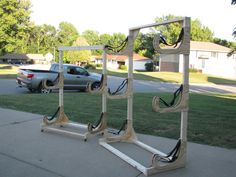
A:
<point x="211" y="120"/>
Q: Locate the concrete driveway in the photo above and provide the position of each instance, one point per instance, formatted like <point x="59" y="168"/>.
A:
<point x="25" y="151"/>
<point x="9" y="86"/>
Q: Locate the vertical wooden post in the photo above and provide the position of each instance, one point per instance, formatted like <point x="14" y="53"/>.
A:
<point x="132" y="36"/>
<point x="184" y="114"/>
<point x="104" y="72"/>
<point x="61" y="71"/>
<point x="130" y="82"/>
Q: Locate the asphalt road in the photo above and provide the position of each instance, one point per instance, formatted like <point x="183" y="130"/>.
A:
<point x="150" y="86"/>
<point x="9" y="86"/>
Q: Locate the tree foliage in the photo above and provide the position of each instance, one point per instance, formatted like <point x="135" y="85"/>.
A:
<point x="143" y="45"/>
<point x="92" y="37"/>
<point x="222" y="42"/>
<point x="171" y="32"/>
<point x="200" y="32"/>
<point x="116" y="39"/>
<point x="14" y="25"/>
<point x="42" y="39"/>
<point x="18" y="34"/>
<point x="67" y="34"/>
<point x="79" y="56"/>
<point x="105" y="38"/>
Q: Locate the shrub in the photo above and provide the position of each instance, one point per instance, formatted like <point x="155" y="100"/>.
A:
<point x="31" y="62"/>
<point x="90" y="66"/>
<point x="194" y="70"/>
<point x="99" y="65"/>
<point x="149" y="66"/>
<point x="6" y="67"/>
<point x="123" y="67"/>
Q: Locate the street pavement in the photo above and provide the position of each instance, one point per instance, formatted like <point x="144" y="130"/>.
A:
<point x="151" y="86"/>
<point x="9" y="86"/>
<point x="25" y="151"/>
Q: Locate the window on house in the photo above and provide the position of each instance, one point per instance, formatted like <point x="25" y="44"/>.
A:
<point x="203" y="64"/>
<point x="234" y="56"/>
<point x="204" y="55"/>
<point x="214" y="54"/>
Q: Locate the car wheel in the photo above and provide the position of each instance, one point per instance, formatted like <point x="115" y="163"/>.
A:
<point x="95" y="85"/>
<point x="43" y="90"/>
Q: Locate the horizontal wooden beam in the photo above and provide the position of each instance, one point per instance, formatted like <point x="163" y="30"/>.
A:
<point x="157" y="24"/>
<point x="94" y="47"/>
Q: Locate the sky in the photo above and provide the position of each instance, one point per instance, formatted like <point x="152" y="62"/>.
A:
<point x="113" y="16"/>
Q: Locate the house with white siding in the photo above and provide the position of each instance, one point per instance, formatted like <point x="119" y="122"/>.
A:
<point x="16" y="58"/>
<point x="207" y="57"/>
<point x="115" y="61"/>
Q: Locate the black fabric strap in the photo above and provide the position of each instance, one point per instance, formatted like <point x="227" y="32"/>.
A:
<point x="181" y="35"/>
<point x="121" y="86"/>
<point x="121" y="128"/>
<point x="98" y="122"/>
<point x="54" y="115"/>
<point x="117" y="48"/>
<point x="172" y="155"/>
<point x="176" y="94"/>
<point x="180" y="38"/>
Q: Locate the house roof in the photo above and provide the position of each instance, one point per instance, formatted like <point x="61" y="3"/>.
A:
<point x="15" y="56"/>
<point x="23" y="56"/>
<point x="136" y="57"/>
<point x="36" y="56"/>
<point x="208" y="46"/>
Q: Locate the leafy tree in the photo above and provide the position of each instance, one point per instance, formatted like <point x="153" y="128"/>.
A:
<point x="82" y="56"/>
<point x="35" y="39"/>
<point x="66" y="34"/>
<point x="105" y="38"/>
<point x="42" y="39"/>
<point x="92" y="37"/>
<point x="143" y="45"/>
<point x="222" y="42"/>
<point x="49" y="40"/>
<point x="116" y="39"/>
<point x="200" y="32"/>
<point x="171" y="32"/>
<point x="14" y="25"/>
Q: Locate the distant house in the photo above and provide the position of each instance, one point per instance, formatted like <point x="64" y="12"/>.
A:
<point x="22" y="58"/>
<point x="115" y="61"/>
<point x="207" y="57"/>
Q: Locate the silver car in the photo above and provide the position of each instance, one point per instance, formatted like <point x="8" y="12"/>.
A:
<point x="75" y="78"/>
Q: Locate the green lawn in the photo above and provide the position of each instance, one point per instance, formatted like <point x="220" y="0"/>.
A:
<point x="171" y="77"/>
<point x="212" y="117"/>
<point x="8" y="71"/>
